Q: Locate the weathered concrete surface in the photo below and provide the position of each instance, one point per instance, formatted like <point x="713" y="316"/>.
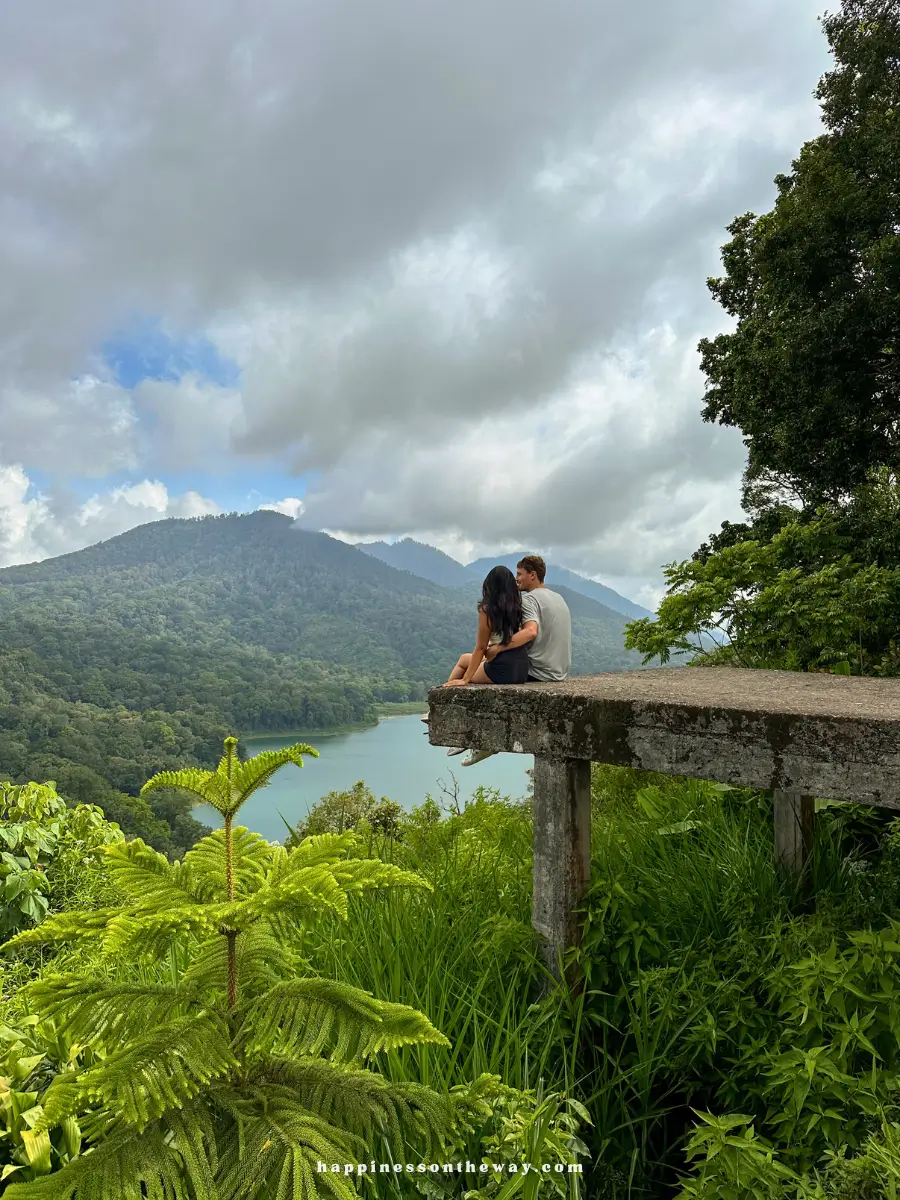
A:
<point x="562" y="852"/>
<point x="830" y="736"/>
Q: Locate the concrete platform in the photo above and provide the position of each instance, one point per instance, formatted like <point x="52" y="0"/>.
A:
<point x="831" y="736"/>
<point x="802" y="736"/>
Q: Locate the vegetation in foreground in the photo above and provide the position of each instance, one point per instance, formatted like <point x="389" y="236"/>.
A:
<point x="197" y="1053"/>
<point x="732" y="1040"/>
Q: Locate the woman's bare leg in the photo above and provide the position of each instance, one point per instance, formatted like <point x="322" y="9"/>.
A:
<point x="461" y="667"/>
<point x="479" y="676"/>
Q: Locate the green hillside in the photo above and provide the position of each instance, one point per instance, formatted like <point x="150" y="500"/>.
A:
<point x="142" y="653"/>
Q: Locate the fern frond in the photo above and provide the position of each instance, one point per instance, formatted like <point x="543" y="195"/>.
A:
<point x="251" y="857"/>
<point x="148" y="878"/>
<point x="304" y="1016"/>
<point x="262" y="961"/>
<point x="360" y="874"/>
<point x="320" y="849"/>
<point x="204" y="785"/>
<point x="64" y="927"/>
<point x="149" y="935"/>
<point x="276" y="1155"/>
<point x="315" y="887"/>
<point x="232" y="782"/>
<point x="89" y="1010"/>
<point x="167" y="1161"/>
<point x="362" y="1102"/>
<point x="257" y="772"/>
<point x="163" y="1069"/>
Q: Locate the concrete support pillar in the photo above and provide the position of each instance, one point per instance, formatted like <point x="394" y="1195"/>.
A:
<point x="562" y="851"/>
<point x="794" y="817"/>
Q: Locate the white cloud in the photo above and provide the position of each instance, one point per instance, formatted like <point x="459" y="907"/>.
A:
<point x="290" y="507"/>
<point x="43" y="526"/>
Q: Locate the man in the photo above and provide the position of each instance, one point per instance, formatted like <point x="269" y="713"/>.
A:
<point x="550" y="646"/>
<point x="546" y="627"/>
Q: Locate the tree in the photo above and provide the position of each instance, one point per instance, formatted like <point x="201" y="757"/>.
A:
<point x="810" y="374"/>
<point x="335" y="813"/>
<point x="821" y="593"/>
<point x="232" y="1074"/>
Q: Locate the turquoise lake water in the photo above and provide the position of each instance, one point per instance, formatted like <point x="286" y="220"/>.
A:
<point x="394" y="758"/>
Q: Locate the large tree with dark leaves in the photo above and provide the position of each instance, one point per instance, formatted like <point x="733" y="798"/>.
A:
<point x="810" y="374"/>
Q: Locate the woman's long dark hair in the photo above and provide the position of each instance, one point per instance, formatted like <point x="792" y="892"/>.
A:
<point x="502" y="602"/>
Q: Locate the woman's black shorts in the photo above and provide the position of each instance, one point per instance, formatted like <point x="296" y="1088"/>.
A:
<point x="510" y="666"/>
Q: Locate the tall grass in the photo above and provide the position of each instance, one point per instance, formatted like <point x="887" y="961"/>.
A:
<point x="463" y="953"/>
<point x="686" y="916"/>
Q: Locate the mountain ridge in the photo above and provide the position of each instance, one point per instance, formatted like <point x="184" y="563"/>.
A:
<point x="571" y="579"/>
<point x="410" y="555"/>
<point x="419" y="558"/>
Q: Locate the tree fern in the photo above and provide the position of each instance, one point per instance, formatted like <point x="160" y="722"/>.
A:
<point x="239" y="1077"/>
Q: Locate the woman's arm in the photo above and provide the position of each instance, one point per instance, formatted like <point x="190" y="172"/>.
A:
<point x="481" y="643"/>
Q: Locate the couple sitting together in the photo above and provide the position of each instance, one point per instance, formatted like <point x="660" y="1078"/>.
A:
<point x="524" y="634"/>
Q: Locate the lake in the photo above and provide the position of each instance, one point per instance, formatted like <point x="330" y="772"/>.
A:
<point x="394" y="758"/>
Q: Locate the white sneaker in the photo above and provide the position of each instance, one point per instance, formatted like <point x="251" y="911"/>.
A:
<point x="477" y="756"/>
<point x="456" y="750"/>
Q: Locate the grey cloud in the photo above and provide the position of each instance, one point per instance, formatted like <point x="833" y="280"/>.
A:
<point x="191" y="424"/>
<point x="46" y="428"/>
<point x="216" y="155"/>
<point x="592" y="504"/>
<point x="621" y="477"/>
<point x="569" y="287"/>
<point x="240" y="148"/>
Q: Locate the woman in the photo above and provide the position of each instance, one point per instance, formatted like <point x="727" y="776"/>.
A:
<point x="499" y="617"/>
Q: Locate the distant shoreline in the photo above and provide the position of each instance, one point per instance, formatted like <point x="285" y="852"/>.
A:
<point x="401" y="708"/>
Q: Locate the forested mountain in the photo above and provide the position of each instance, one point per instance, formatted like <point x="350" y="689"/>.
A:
<point x="420" y="559"/>
<point x="142" y="653"/>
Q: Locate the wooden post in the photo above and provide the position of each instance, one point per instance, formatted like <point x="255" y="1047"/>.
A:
<point x="794" y="818"/>
<point x="562" y="851"/>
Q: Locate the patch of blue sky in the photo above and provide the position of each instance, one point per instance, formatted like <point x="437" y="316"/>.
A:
<point x="38" y="481"/>
<point x="145" y="350"/>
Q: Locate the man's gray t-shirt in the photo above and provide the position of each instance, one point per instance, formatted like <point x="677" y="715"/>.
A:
<point x="550" y="654"/>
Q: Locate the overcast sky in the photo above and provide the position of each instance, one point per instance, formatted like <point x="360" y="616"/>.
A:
<point x="395" y="267"/>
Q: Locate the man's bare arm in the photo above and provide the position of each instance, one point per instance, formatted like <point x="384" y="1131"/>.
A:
<point x="526" y="634"/>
